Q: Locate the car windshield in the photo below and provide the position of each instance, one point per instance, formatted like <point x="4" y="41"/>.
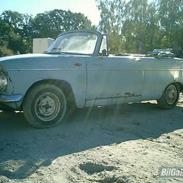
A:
<point x="79" y="43"/>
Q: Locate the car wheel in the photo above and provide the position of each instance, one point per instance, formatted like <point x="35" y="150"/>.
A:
<point x="45" y="106"/>
<point x="170" y="97"/>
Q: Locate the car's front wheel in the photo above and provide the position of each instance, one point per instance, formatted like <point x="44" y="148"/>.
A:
<point x="45" y="106"/>
<point x="170" y="97"/>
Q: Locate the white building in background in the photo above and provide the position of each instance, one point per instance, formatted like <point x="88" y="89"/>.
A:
<point x="41" y="44"/>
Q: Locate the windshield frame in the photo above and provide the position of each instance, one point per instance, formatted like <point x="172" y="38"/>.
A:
<point x="96" y="48"/>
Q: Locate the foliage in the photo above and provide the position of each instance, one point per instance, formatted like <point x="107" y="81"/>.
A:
<point x="4" y="51"/>
<point x="18" y="30"/>
<point x="55" y="22"/>
<point x="142" y="25"/>
<point x="134" y="26"/>
<point x="15" y="31"/>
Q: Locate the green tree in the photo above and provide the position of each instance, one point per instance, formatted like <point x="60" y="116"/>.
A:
<point x="18" y="30"/>
<point x="18" y="36"/>
<point x="5" y="30"/>
<point x="133" y="24"/>
<point x="52" y="23"/>
<point x="112" y="19"/>
<point x="171" y="23"/>
<point x="142" y="25"/>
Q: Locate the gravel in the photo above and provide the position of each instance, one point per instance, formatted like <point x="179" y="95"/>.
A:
<point x="122" y="144"/>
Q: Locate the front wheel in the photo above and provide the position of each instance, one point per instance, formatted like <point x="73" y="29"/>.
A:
<point x="170" y="97"/>
<point x="45" y="106"/>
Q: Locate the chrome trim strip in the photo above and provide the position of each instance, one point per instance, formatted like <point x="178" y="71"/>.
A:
<point x="99" y="66"/>
<point x="10" y="98"/>
<point x="74" y="69"/>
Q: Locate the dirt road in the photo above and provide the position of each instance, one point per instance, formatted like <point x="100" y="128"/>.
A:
<point x="123" y="144"/>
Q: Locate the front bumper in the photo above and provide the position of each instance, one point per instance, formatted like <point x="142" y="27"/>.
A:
<point x="10" y="98"/>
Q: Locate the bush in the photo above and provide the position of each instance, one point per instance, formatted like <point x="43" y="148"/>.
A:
<point x="4" y="51"/>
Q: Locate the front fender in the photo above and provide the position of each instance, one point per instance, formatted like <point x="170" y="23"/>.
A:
<point x="24" y="72"/>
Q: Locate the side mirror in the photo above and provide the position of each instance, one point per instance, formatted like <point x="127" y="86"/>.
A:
<point x="104" y="52"/>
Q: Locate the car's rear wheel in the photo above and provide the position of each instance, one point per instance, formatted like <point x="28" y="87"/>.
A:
<point x="170" y="97"/>
<point x="45" y="106"/>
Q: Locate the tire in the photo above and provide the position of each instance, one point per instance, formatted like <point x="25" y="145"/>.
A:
<point x="170" y="97"/>
<point x="45" y="106"/>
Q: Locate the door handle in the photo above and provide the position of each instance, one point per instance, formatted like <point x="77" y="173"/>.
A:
<point x="77" y="64"/>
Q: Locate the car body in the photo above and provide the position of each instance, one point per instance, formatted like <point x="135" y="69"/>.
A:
<point x="79" y="66"/>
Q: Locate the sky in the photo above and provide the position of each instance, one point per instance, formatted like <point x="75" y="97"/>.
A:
<point x="87" y="7"/>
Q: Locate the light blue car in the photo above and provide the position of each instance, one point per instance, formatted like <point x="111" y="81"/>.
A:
<point x="76" y="70"/>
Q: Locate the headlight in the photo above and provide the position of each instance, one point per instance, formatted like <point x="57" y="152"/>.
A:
<point x="3" y="81"/>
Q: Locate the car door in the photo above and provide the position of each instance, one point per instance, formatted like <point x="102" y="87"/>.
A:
<point x="114" y="77"/>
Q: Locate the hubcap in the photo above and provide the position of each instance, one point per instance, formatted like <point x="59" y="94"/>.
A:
<point x="171" y="94"/>
<point x="47" y="106"/>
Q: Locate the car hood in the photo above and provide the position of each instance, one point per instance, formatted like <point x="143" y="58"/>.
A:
<point x="37" y="61"/>
<point x="24" y="56"/>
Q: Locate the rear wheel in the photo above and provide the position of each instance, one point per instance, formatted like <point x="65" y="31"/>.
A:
<point x="45" y="106"/>
<point x="170" y="97"/>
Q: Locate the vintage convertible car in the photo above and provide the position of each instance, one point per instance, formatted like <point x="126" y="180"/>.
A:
<point x="76" y="70"/>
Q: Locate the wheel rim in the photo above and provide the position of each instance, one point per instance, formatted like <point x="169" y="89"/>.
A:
<point x="171" y="94"/>
<point x="48" y="106"/>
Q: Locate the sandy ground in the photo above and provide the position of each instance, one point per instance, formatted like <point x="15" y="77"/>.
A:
<point x="123" y="144"/>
